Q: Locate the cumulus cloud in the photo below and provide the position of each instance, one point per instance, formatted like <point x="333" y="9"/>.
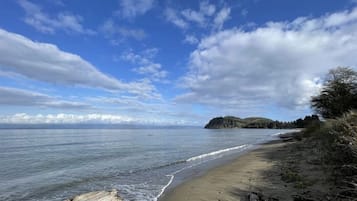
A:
<point x="46" y="62"/>
<point x="23" y="118"/>
<point x="19" y="97"/>
<point x="133" y="8"/>
<point x="45" y="23"/>
<point x="146" y="64"/>
<point x="280" y="63"/>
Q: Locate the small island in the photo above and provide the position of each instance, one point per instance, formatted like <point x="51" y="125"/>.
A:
<point x="260" y="122"/>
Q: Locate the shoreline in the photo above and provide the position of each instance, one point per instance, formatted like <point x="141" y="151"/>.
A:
<point x="190" y="186"/>
<point x="217" y="163"/>
<point x="209" y="167"/>
<point x="260" y="171"/>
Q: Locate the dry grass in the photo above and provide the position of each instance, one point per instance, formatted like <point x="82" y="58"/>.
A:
<point x="336" y="144"/>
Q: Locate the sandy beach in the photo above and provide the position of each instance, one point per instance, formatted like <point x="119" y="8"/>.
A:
<point x="259" y="171"/>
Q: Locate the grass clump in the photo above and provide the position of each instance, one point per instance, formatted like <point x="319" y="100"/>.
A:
<point x="290" y="176"/>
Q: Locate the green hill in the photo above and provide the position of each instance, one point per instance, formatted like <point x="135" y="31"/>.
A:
<point x="236" y="122"/>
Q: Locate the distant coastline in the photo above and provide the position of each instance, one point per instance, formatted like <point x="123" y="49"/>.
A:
<point x="260" y="122"/>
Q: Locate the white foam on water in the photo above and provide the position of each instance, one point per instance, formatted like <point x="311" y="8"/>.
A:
<point x="289" y="131"/>
<point x="215" y="153"/>
<point x="172" y="176"/>
<point x="139" y="192"/>
<point x="276" y="134"/>
<point x="167" y="185"/>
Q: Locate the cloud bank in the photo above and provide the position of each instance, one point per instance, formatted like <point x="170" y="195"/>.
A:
<point x="47" y="63"/>
<point x="19" y="97"/>
<point x="280" y="63"/>
<point x="23" y="118"/>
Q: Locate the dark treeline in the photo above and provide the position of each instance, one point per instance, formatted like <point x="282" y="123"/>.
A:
<point x="259" y="122"/>
<point x="299" y="123"/>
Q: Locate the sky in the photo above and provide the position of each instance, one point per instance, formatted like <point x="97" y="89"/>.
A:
<point x="168" y="62"/>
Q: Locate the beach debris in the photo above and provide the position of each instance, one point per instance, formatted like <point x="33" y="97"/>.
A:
<point x="253" y="196"/>
<point x="97" y="196"/>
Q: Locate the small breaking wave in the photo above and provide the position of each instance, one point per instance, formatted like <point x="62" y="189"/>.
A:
<point x="288" y="131"/>
<point x="171" y="176"/>
<point x="199" y="157"/>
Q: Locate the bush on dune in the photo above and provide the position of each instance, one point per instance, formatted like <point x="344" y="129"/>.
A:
<point x="338" y="94"/>
<point x="339" y="138"/>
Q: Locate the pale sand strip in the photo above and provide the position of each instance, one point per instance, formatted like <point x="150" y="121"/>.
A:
<point x="256" y="171"/>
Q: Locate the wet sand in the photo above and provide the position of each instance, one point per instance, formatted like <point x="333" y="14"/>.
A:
<point x="257" y="171"/>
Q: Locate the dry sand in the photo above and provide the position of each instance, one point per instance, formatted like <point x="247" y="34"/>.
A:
<point x="256" y="171"/>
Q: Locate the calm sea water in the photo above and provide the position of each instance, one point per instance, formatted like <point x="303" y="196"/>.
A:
<point x="55" y="164"/>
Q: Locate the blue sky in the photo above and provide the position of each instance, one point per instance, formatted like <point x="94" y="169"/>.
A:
<point x="168" y="62"/>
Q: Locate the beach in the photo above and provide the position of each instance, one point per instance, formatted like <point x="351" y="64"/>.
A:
<point x="265" y="172"/>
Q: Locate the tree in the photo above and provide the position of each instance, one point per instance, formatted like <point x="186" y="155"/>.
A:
<point x="338" y="95"/>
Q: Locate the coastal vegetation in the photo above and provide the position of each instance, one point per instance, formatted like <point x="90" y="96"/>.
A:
<point x="338" y="95"/>
<point x="332" y="145"/>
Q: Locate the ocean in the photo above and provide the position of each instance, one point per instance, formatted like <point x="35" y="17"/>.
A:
<point x="55" y="164"/>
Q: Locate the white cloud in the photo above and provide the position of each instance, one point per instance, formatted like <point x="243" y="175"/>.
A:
<point x="221" y="17"/>
<point x="201" y="16"/>
<point x="146" y="65"/>
<point x="280" y="63"/>
<point x="173" y="17"/>
<point x="19" y="97"/>
<point x="130" y="105"/>
<point x="23" y="118"/>
<point x="47" y="63"/>
<point x="206" y="17"/>
<point x="194" y="16"/>
<point x="133" y="8"/>
<point x="152" y="69"/>
<point x="117" y="33"/>
<point x="206" y="8"/>
<point x="154" y="111"/>
<point x="95" y="118"/>
<point x="191" y="39"/>
<point x="47" y="24"/>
